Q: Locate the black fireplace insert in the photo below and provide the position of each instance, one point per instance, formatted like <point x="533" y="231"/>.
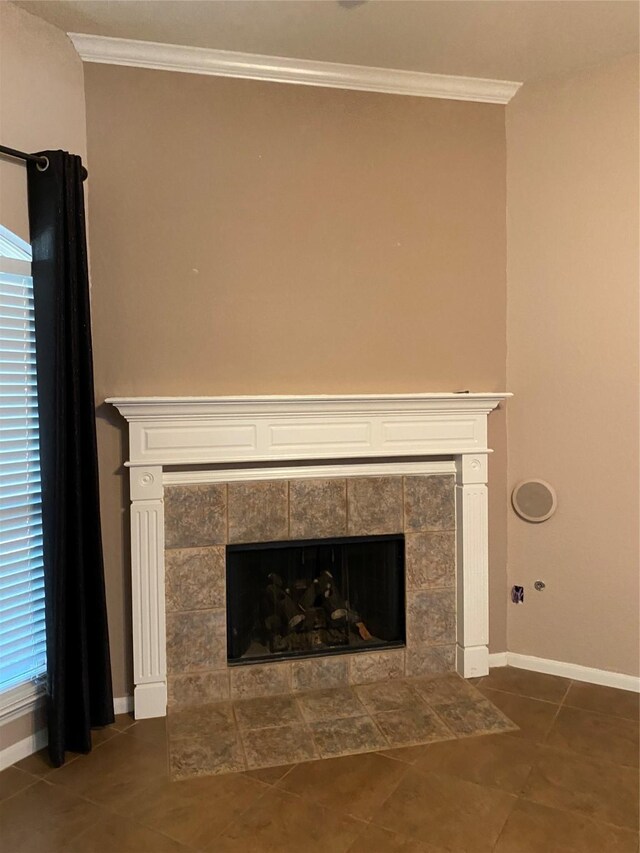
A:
<point x="321" y="596"/>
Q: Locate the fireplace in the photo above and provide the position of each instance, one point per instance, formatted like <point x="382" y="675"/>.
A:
<point x="314" y="597"/>
<point x="232" y="471"/>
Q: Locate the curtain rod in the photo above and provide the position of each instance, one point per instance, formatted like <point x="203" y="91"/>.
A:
<point x="41" y="162"/>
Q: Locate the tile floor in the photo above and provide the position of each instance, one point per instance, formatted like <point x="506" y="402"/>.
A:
<point x="565" y="782"/>
<point x="247" y="734"/>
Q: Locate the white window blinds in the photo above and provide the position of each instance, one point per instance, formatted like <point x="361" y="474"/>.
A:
<point x="22" y="627"/>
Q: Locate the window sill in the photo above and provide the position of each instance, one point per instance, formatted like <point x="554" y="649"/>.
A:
<point x="21" y="700"/>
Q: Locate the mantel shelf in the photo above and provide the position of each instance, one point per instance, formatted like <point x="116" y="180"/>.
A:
<point x="204" y="430"/>
<point x="134" y="408"/>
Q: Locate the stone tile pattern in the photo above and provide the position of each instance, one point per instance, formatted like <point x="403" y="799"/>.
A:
<point x="289" y="728"/>
<point x="258" y="512"/>
<point x="195" y="578"/>
<point x="500" y="792"/>
<point x="195" y="516"/>
<point x="201" y="520"/>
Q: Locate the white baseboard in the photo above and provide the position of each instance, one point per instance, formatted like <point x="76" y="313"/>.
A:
<point x="574" y="671"/>
<point x="23" y="748"/>
<point x="123" y="705"/>
<point x="38" y="740"/>
<point x="150" y="700"/>
<point x="472" y="661"/>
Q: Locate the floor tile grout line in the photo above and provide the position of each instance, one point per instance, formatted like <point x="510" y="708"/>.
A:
<point x="565" y="704"/>
<point x="578" y="813"/>
<point x="36" y="776"/>
<point x="74" y="757"/>
<point x="359" y="836"/>
<point x="106" y="807"/>
<point x="167" y="747"/>
<point x="347" y="754"/>
<point x="349" y="814"/>
<point x="45" y="777"/>
<point x="240" y="739"/>
<point x="34" y="781"/>
<point x="283" y="792"/>
<point x="452" y="775"/>
<point x="145" y="825"/>
<point x="439" y="717"/>
<point x="435" y="774"/>
<point x="378" y="729"/>
<point x="383" y="753"/>
<point x="566" y="693"/>
<point x="240" y="814"/>
<point x="523" y="787"/>
<point x="284" y="775"/>
<point x="600" y="713"/>
<point x="562" y="705"/>
<point x="102" y="807"/>
<point x="85" y="799"/>
<point x="366" y="821"/>
<point x="555" y="717"/>
<point x="506" y="820"/>
<point x="520" y="695"/>
<point x="581" y="755"/>
<point x="137" y="822"/>
<point x="306" y="799"/>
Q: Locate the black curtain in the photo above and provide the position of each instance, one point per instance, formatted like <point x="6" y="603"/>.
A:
<point x="79" y="672"/>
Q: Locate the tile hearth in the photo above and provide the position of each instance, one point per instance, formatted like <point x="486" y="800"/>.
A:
<point x="249" y="734"/>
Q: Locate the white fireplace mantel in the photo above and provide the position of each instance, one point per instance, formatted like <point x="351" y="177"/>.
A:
<point x="355" y="435"/>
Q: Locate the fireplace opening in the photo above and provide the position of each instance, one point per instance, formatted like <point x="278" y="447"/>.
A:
<point x="322" y="596"/>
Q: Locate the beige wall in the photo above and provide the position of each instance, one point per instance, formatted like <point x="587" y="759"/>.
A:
<point x="41" y="99"/>
<point x="41" y="106"/>
<point x="572" y="178"/>
<point x="261" y="238"/>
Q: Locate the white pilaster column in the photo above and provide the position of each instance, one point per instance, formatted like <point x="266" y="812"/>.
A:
<point x="147" y="592"/>
<point x="472" y="565"/>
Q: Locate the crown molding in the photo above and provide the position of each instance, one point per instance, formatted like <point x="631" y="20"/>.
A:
<point x="278" y="69"/>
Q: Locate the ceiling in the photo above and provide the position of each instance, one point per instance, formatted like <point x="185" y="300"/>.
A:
<point x="501" y="39"/>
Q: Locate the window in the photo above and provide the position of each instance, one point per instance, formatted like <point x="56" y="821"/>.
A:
<point x="22" y="626"/>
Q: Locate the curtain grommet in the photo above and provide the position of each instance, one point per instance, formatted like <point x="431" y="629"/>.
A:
<point x="39" y="165"/>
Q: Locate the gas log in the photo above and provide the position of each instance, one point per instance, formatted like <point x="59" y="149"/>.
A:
<point x="312" y="614"/>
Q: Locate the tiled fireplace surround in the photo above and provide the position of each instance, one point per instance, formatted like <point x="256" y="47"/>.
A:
<point x="206" y="472"/>
<point x="201" y="520"/>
